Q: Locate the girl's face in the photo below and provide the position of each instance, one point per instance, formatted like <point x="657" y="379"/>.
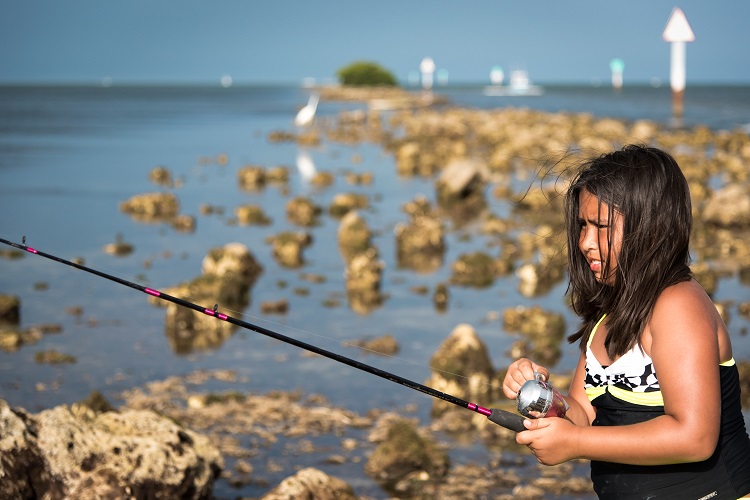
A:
<point x="594" y="238"/>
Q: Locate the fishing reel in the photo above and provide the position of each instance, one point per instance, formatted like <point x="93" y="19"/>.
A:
<point x="538" y="399"/>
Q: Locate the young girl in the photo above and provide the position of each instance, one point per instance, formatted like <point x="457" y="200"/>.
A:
<point x="655" y="398"/>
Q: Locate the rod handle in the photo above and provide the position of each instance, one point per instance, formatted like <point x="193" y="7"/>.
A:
<point x="507" y="419"/>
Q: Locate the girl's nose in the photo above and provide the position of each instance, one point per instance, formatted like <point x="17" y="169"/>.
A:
<point x="589" y="239"/>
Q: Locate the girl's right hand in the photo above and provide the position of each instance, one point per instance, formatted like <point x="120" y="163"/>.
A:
<point x="519" y="372"/>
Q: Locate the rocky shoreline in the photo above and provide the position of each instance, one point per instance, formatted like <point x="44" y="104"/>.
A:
<point x="172" y="438"/>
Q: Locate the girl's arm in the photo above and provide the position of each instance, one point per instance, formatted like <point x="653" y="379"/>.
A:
<point x="580" y="412"/>
<point x="683" y="342"/>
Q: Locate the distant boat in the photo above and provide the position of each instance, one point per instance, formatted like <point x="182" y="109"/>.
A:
<point x="519" y="85"/>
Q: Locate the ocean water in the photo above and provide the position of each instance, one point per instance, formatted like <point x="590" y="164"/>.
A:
<point x="70" y="155"/>
<point x="717" y="107"/>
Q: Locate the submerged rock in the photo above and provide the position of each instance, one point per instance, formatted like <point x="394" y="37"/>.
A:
<point x="534" y="322"/>
<point x="228" y="274"/>
<point x="278" y="175"/>
<point x="120" y="247"/>
<point x="10" y="306"/>
<point x="183" y="223"/>
<point x="288" y="247"/>
<point x="354" y="235"/>
<point x="53" y="357"/>
<point x="384" y="346"/>
<point x="344" y="203"/>
<point x="407" y="463"/>
<point x="363" y="275"/>
<point x="161" y="176"/>
<point x="232" y="260"/>
<point x="475" y="269"/>
<point x="251" y="177"/>
<point x="543" y="333"/>
<point x="249" y="215"/>
<point x="420" y="244"/>
<point x="274" y="307"/>
<point x="151" y="206"/>
<point x="322" y="179"/>
<point x="12" y="339"/>
<point x="303" y="211"/>
<point x="461" y="366"/>
<point x="440" y="297"/>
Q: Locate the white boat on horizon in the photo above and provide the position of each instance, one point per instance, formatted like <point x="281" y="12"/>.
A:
<point x="519" y="85"/>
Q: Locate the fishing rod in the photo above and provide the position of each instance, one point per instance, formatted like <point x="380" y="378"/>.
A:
<point x="503" y="418"/>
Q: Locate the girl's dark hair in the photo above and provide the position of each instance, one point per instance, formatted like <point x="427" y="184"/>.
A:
<point x="647" y="188"/>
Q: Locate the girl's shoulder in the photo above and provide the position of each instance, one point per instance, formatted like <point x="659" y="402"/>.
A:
<point x="681" y="295"/>
<point x="682" y="305"/>
<point x="684" y="313"/>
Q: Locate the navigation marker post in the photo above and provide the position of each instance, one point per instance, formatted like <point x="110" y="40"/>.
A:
<point x="497" y="75"/>
<point x="617" y="66"/>
<point x="677" y="32"/>
<point x="427" y="68"/>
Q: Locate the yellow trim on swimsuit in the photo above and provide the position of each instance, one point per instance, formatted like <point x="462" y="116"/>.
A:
<point x="653" y="398"/>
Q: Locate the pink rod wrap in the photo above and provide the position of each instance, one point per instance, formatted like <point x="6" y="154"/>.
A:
<point x="210" y="312"/>
<point x="153" y="292"/>
<point x="480" y="409"/>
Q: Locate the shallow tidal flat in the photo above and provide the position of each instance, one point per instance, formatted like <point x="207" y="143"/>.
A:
<point x="496" y="177"/>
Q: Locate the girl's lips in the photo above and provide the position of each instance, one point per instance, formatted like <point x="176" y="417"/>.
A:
<point x="596" y="266"/>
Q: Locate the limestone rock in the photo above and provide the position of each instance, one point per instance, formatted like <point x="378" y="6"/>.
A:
<point x="461" y="366"/>
<point x="729" y="207"/>
<point x="59" y="454"/>
<point x="151" y="206"/>
<point x="406" y="462"/>
<point x="10" y="306"/>
<point x="311" y="483"/>
<point x="353" y="235"/>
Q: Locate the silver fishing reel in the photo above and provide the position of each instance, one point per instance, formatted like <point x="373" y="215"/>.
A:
<point x="538" y="399"/>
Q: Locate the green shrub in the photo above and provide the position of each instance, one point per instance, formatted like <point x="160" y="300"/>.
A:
<point x="365" y="74"/>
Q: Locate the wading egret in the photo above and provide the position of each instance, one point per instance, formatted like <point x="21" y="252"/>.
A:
<point x="306" y="115"/>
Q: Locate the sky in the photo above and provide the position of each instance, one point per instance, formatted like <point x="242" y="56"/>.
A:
<point x="285" y="41"/>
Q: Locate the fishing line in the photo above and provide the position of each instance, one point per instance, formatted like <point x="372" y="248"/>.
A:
<point x="345" y="343"/>
<point x="142" y="279"/>
<point x="503" y="418"/>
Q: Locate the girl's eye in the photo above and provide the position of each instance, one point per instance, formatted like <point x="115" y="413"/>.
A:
<point x="583" y="223"/>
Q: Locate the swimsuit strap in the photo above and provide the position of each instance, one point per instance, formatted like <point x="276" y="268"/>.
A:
<point x="593" y="332"/>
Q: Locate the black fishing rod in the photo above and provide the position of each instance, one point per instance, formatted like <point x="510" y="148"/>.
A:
<point x="503" y="418"/>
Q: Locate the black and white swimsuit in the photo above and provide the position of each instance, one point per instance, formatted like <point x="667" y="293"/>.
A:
<point x="628" y="392"/>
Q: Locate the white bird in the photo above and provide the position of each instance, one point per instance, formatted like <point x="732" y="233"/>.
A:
<point x="306" y="115"/>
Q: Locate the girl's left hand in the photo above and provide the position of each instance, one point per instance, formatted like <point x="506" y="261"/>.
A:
<point x="552" y="440"/>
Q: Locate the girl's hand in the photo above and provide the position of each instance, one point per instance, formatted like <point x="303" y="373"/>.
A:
<point x="519" y="372"/>
<point x="552" y="440"/>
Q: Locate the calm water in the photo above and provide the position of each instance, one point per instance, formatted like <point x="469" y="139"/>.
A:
<point x="69" y="156"/>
